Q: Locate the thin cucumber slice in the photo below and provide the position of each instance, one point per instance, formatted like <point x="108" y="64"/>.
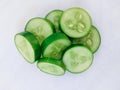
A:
<point x="75" y="22"/>
<point x="92" y="40"/>
<point x="28" y="46"/>
<point x="77" y="58"/>
<point x="40" y="27"/>
<point x="54" y="17"/>
<point x="51" y="66"/>
<point x="54" y="45"/>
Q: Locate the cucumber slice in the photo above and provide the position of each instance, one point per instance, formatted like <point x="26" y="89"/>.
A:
<point x="28" y="46"/>
<point x="51" y="66"/>
<point x="54" y="45"/>
<point x="40" y="27"/>
<point x="77" y="58"/>
<point x="54" y="17"/>
<point x="75" y="22"/>
<point x="92" y="40"/>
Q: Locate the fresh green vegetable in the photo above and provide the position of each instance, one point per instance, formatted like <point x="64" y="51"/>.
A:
<point x="40" y="27"/>
<point x="75" y="22"/>
<point x="54" y="17"/>
<point x="28" y="46"/>
<point x="54" y="45"/>
<point x="77" y="58"/>
<point x="92" y="40"/>
<point x="51" y="66"/>
<point x="66" y="40"/>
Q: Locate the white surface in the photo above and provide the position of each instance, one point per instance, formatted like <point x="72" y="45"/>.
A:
<point x="17" y="74"/>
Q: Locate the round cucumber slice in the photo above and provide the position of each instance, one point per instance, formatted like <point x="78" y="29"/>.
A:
<point x="28" y="46"/>
<point x="54" y="45"/>
<point x="77" y="58"/>
<point x="41" y="28"/>
<point x="75" y="22"/>
<point x="51" y="66"/>
<point x="54" y="17"/>
<point x="92" y="40"/>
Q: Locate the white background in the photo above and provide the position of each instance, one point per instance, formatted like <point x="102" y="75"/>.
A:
<point x="17" y="74"/>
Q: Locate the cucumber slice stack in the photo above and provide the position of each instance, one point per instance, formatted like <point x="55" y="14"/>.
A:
<point x="63" y="40"/>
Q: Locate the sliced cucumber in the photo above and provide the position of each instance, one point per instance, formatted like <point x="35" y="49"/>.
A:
<point x="51" y="66"/>
<point x="40" y="27"/>
<point x="77" y="58"/>
<point x="54" y="17"/>
<point x="75" y="22"/>
<point x="54" y="45"/>
<point x="92" y="40"/>
<point x="28" y="46"/>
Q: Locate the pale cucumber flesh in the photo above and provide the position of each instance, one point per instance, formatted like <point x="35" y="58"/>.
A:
<point x="54" y="45"/>
<point x="40" y="27"/>
<point x="25" y="48"/>
<point x="51" y="66"/>
<point x="55" y="49"/>
<point x="75" y="22"/>
<point x="92" y="40"/>
<point x="77" y="59"/>
<point x="54" y="17"/>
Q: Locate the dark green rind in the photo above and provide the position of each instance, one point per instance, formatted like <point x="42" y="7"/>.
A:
<point x="54" y="62"/>
<point x="34" y="43"/>
<point x="75" y="45"/>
